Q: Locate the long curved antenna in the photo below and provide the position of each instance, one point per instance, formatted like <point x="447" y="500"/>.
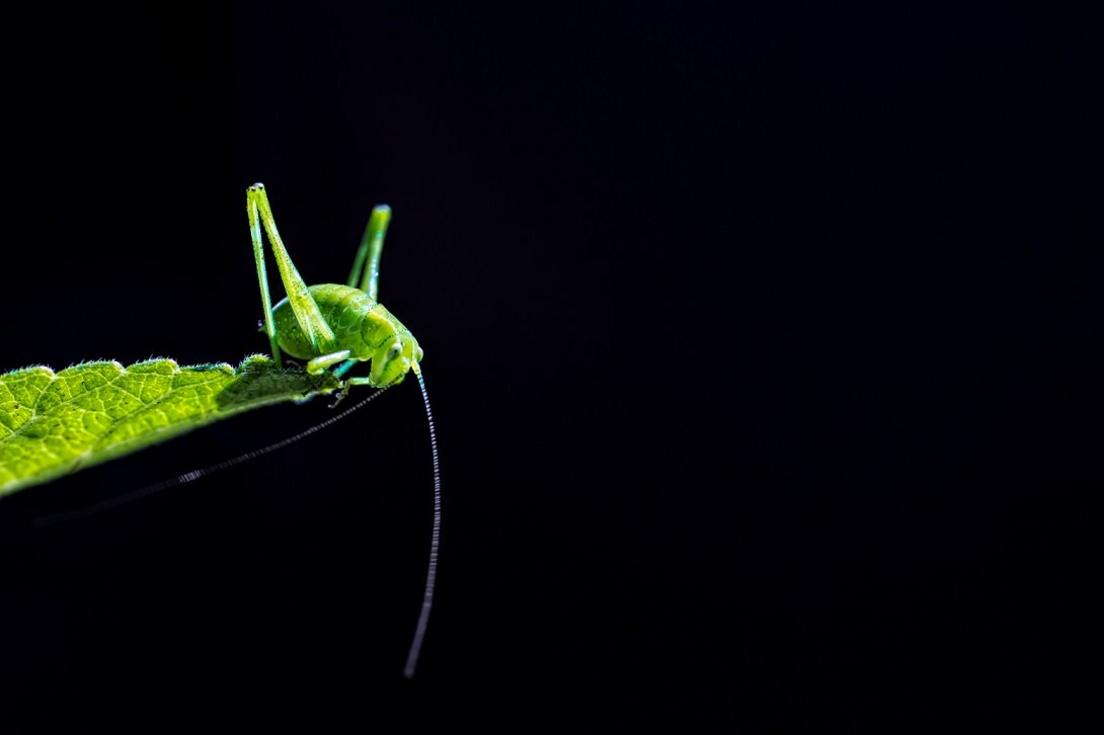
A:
<point x="434" y="543"/>
<point x="197" y="474"/>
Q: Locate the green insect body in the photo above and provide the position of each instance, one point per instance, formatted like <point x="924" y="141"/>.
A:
<point x="332" y="324"/>
<point x="360" y="325"/>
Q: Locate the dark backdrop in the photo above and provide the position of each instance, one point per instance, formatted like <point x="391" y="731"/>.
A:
<point x="765" y="348"/>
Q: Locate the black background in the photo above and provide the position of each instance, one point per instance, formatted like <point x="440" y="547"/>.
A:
<point x="765" y="348"/>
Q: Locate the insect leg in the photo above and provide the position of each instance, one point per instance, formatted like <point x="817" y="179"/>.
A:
<point x="375" y="379"/>
<point x="371" y="245"/>
<point x="262" y="276"/>
<point x="306" y="311"/>
<point x="318" y="364"/>
<point x="345" y="367"/>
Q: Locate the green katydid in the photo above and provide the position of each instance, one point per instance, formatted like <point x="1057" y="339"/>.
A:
<point x="332" y="325"/>
<point x="54" y="423"/>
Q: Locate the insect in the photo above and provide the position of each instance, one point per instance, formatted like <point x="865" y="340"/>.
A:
<point x="331" y="324"/>
<point x="338" y="326"/>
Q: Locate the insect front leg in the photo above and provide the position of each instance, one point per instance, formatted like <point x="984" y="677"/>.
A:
<point x="345" y="367"/>
<point x="320" y="363"/>
<point x="388" y="366"/>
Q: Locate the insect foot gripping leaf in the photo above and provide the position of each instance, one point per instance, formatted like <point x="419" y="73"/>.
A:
<point x="52" y="424"/>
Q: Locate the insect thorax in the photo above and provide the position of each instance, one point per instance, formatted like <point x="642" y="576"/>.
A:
<point x="359" y="324"/>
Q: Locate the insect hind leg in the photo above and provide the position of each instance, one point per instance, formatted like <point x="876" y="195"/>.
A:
<point x="368" y="254"/>
<point x="303" y="305"/>
<point x="269" y="326"/>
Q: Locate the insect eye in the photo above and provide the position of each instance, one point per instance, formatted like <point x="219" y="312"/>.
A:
<point x="395" y="350"/>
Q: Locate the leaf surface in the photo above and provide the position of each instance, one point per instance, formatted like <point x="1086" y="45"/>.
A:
<point x="54" y="423"/>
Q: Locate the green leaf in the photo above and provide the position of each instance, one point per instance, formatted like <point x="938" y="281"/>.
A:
<point x="52" y="424"/>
